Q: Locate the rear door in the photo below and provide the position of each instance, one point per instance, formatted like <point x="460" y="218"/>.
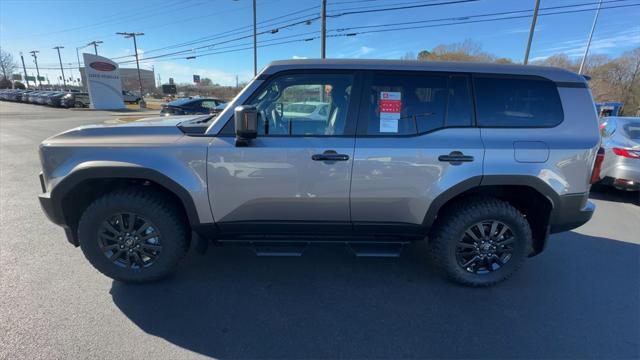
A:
<point x="416" y="139"/>
<point x="298" y="170"/>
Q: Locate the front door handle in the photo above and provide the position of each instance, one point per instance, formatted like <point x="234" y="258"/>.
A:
<point x="455" y="158"/>
<point x="330" y="155"/>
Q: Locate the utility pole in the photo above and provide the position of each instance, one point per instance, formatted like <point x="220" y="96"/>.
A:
<point x="531" y="31"/>
<point x="24" y="68"/>
<point x="323" y="30"/>
<point x="64" y="81"/>
<point x="35" y="60"/>
<point x="95" y="45"/>
<point x="237" y="81"/>
<point x="593" y="28"/>
<point x="135" y="48"/>
<point x="78" y="56"/>
<point x="255" y="42"/>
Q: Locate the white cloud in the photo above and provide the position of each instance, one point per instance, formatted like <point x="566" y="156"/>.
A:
<point x="299" y="57"/>
<point x="364" y="50"/>
<point x="184" y="73"/>
<point x="603" y="45"/>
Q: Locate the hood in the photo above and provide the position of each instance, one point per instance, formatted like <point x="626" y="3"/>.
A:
<point x="127" y="130"/>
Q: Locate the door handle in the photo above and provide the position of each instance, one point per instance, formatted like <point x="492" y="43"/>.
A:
<point x="455" y="158"/>
<point x="330" y="155"/>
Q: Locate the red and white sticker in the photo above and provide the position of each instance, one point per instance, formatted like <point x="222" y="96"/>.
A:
<point x="390" y="107"/>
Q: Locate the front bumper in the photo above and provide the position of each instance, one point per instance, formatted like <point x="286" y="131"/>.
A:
<point x="570" y="212"/>
<point x="54" y="214"/>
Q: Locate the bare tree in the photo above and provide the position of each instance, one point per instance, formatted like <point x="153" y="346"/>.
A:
<point x="7" y="64"/>
<point x="409" y="55"/>
<point x="467" y="50"/>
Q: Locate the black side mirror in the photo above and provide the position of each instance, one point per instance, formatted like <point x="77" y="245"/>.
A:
<point x="246" y="121"/>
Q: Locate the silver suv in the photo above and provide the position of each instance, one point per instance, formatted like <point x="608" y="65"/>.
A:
<point x="484" y="161"/>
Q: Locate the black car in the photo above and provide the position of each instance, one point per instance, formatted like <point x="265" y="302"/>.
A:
<point x="75" y="99"/>
<point x="191" y="106"/>
<point x="55" y="99"/>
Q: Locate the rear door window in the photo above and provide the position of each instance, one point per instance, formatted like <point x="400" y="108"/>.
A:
<point x="517" y="102"/>
<point x="416" y="103"/>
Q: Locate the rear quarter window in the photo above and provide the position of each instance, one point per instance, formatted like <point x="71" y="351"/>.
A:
<point x="517" y="102"/>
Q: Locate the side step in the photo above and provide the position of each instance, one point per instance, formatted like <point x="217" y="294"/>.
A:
<point x="289" y="248"/>
<point x="376" y="249"/>
<point x="279" y="249"/>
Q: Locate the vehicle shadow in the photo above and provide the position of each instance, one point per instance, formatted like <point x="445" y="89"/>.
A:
<point x="609" y="193"/>
<point x="579" y="299"/>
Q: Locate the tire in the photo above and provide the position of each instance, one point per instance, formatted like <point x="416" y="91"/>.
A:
<point x="497" y="258"/>
<point x="166" y="233"/>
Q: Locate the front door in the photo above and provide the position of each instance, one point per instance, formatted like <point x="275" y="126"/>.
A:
<point x="298" y="170"/>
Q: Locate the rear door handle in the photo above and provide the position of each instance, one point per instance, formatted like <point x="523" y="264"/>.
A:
<point x="330" y="155"/>
<point x="455" y="158"/>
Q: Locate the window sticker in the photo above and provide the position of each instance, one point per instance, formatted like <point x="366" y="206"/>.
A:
<point x="390" y="107"/>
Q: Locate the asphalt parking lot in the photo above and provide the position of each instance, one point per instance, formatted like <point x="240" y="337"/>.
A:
<point x="579" y="299"/>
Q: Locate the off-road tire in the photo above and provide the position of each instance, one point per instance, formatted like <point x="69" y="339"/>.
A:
<point x="451" y="226"/>
<point x="149" y="204"/>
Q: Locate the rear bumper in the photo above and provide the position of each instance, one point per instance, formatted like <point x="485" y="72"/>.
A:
<point x="570" y="212"/>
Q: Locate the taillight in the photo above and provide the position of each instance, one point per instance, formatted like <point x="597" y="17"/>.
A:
<point x="628" y="153"/>
<point x="597" y="166"/>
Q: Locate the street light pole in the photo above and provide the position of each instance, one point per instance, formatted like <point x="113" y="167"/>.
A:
<point x="24" y="68"/>
<point x="323" y="30"/>
<point x="35" y="60"/>
<point x="531" y="31"/>
<point x="593" y="28"/>
<point x="64" y="81"/>
<point x="255" y="42"/>
<point x="135" y="47"/>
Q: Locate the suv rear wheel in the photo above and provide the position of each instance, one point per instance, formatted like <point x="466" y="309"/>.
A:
<point x="133" y="235"/>
<point x="481" y="241"/>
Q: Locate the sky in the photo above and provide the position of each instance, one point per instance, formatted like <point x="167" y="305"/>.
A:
<point x="219" y="32"/>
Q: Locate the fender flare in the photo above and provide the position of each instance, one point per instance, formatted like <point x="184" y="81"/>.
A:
<point x="119" y="171"/>
<point x="490" y="180"/>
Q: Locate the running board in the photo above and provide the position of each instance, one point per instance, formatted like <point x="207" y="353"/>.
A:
<point x="376" y="250"/>
<point x="289" y="248"/>
<point x="279" y="249"/>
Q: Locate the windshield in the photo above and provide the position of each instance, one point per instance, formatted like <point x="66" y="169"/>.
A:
<point x="631" y="128"/>
<point x="180" y="102"/>
<point x="300" y="108"/>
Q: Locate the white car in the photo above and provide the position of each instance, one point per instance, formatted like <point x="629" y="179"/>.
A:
<point x="312" y="110"/>
<point x="129" y="97"/>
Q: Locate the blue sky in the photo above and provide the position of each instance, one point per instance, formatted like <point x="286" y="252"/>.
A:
<point x="27" y="25"/>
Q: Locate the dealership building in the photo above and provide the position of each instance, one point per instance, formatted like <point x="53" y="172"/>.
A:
<point x="129" y="79"/>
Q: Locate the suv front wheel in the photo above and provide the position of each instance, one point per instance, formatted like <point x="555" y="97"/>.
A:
<point x="480" y="241"/>
<point x="133" y="236"/>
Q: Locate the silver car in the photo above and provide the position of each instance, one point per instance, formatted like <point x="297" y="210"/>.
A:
<point x="621" y="144"/>
<point x="484" y="161"/>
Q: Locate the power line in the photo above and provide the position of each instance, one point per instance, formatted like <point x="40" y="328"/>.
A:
<point x="406" y="7"/>
<point x="305" y="21"/>
<point x="460" y="20"/>
<point x="407" y="28"/>
<point x="231" y="32"/>
<point x="486" y="20"/>
<point x="465" y="17"/>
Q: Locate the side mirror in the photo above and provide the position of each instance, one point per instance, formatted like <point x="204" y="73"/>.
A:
<point x="246" y="121"/>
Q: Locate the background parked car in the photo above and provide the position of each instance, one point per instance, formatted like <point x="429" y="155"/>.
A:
<point x="191" y="106"/>
<point x="75" y="99"/>
<point x="130" y="97"/>
<point x="53" y="99"/>
<point x="621" y="143"/>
